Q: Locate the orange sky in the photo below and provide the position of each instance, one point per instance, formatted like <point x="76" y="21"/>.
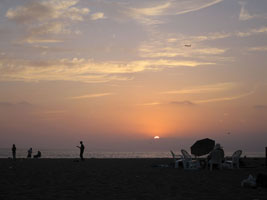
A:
<point x="114" y="73"/>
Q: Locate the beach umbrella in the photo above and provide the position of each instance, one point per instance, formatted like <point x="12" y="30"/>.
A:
<point x="202" y="147"/>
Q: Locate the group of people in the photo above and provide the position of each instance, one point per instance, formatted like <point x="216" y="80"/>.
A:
<point x="29" y="155"/>
<point x="39" y="154"/>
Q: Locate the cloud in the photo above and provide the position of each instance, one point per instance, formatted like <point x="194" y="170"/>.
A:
<point x="172" y="45"/>
<point x="182" y="103"/>
<point x="51" y="112"/>
<point x="147" y="14"/>
<point x="204" y="89"/>
<point x="160" y="50"/>
<point x="97" y="16"/>
<point x="259" y="48"/>
<point x="252" y="32"/>
<point x="6" y="104"/>
<point x="22" y="104"/>
<point x="176" y="103"/>
<point x="150" y="104"/>
<point x="260" y="107"/>
<point x="195" y="7"/>
<point x="30" y="12"/>
<point x="152" y="11"/>
<point x="89" y="96"/>
<point x="229" y="98"/>
<point x="244" y="15"/>
<point x="39" y="11"/>
<point x="169" y="46"/>
<point x="43" y="20"/>
<point x="83" y="70"/>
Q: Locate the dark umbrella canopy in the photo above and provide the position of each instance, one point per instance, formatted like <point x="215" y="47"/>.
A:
<point x="202" y="147"/>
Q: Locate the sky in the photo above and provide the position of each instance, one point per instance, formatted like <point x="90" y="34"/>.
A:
<point x="116" y="73"/>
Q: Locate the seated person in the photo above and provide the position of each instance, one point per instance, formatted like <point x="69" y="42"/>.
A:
<point x="219" y="148"/>
<point x="216" y="156"/>
<point x="38" y="155"/>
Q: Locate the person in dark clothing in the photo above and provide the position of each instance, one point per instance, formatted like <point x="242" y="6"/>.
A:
<point x="81" y="150"/>
<point x="14" y="151"/>
<point x="219" y="148"/>
<point x="38" y="155"/>
<point x="29" y="153"/>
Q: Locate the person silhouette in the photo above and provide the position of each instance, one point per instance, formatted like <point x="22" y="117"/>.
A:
<point x="81" y="150"/>
<point x="29" y="153"/>
<point x="14" y="151"/>
<point x="38" y="155"/>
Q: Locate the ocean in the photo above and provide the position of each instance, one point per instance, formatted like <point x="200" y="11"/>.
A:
<point x="74" y="153"/>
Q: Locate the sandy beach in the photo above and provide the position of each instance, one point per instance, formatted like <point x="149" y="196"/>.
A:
<point x="122" y="179"/>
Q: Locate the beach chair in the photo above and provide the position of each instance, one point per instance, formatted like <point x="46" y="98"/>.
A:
<point x="177" y="159"/>
<point x="216" y="158"/>
<point x="188" y="162"/>
<point x="234" y="159"/>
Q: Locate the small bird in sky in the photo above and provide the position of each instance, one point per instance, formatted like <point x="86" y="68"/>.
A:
<point x="187" y="45"/>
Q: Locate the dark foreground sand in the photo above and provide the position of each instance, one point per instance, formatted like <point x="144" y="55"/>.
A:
<point x="122" y="179"/>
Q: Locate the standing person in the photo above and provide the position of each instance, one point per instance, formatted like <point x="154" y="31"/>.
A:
<point x="81" y="150"/>
<point x="29" y="153"/>
<point x="14" y="151"/>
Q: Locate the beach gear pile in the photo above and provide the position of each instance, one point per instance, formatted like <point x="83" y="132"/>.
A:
<point x="252" y="182"/>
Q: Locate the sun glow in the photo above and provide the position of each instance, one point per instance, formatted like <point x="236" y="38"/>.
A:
<point x="156" y="137"/>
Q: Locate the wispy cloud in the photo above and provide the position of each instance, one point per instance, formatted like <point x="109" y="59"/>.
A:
<point x="204" y="89"/>
<point x="259" y="48"/>
<point x="176" y="103"/>
<point x="152" y="11"/>
<point x="83" y="70"/>
<point x="252" y="32"/>
<point x="195" y="7"/>
<point x="22" y="104"/>
<point x="52" y="112"/>
<point x="149" y="14"/>
<point x="98" y="15"/>
<point x="260" y="107"/>
<point x="182" y="103"/>
<point x="150" y="104"/>
<point x="229" y="98"/>
<point x="43" y="20"/>
<point x="244" y="15"/>
<point x="89" y="96"/>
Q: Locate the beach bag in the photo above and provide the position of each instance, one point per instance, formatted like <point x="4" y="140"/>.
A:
<point x="250" y="182"/>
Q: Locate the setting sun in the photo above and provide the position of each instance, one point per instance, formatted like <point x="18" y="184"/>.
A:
<point x="185" y="74"/>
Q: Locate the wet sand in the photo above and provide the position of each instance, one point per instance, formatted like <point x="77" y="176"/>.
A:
<point x="122" y="179"/>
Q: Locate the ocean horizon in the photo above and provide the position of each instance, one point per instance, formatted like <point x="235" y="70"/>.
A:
<point x="71" y="153"/>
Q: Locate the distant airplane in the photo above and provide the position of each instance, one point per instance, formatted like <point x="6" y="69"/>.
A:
<point x="187" y="45"/>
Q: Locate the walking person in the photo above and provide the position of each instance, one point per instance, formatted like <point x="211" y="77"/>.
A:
<point x="29" y="153"/>
<point x="81" y="150"/>
<point x="14" y="151"/>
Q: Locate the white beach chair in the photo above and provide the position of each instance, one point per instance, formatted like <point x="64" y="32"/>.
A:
<point x="177" y="159"/>
<point x="234" y="159"/>
<point x="188" y="162"/>
<point x="216" y="158"/>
